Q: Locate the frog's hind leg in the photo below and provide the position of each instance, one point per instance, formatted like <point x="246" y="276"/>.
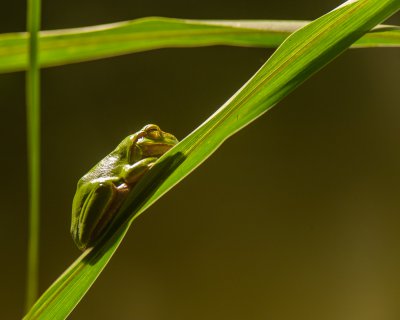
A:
<point x="97" y="211"/>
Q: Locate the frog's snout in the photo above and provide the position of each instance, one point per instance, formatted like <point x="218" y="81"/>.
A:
<point x="170" y="138"/>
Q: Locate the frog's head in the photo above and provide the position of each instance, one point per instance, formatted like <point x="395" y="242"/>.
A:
<point x="154" y="142"/>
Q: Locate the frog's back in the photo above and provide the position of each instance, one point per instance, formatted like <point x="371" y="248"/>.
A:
<point x="110" y="166"/>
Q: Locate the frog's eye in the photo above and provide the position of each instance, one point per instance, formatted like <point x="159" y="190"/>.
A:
<point x="153" y="131"/>
<point x="151" y="127"/>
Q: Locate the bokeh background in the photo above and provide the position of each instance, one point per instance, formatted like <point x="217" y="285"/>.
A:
<point x="295" y="217"/>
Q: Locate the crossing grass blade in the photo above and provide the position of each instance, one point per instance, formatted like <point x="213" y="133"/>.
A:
<point x="61" y="47"/>
<point x="33" y="150"/>
<point x="301" y="55"/>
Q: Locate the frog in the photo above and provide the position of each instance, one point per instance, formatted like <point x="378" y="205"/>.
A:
<point x="101" y="192"/>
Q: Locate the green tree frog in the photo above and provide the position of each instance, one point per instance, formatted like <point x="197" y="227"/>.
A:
<point x="102" y="190"/>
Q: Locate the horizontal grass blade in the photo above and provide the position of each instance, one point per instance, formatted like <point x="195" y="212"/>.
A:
<point x="301" y="55"/>
<point x="60" y="47"/>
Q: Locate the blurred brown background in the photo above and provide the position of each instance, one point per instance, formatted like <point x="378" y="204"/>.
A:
<point x="295" y="217"/>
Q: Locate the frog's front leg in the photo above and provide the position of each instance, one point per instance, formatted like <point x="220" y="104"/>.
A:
<point x="95" y="208"/>
<point x="132" y="173"/>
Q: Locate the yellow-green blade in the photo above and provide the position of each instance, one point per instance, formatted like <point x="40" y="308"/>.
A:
<point x="60" y="47"/>
<point x="301" y="55"/>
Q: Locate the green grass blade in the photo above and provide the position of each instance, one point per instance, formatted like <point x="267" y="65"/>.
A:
<point x="301" y="55"/>
<point x="33" y="144"/>
<point x="82" y="44"/>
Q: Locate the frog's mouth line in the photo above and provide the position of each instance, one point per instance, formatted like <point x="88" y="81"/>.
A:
<point x="156" y="149"/>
